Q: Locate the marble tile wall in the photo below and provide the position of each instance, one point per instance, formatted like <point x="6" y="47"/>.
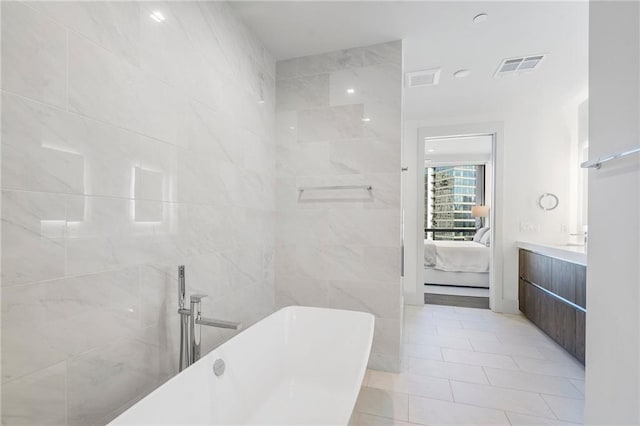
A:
<point x="341" y="249"/>
<point x="129" y="146"/>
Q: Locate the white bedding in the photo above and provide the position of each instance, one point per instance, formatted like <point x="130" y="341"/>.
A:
<point x="457" y="256"/>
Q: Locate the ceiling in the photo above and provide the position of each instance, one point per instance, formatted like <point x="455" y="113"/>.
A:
<point x="443" y="35"/>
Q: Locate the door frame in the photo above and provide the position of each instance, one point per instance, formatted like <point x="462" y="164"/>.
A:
<point x="496" y="298"/>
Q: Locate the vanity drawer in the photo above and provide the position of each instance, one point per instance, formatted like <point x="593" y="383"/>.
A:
<point x="552" y="294"/>
<point x="567" y="280"/>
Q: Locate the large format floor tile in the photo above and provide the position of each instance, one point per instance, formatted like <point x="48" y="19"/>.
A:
<point x="465" y="366"/>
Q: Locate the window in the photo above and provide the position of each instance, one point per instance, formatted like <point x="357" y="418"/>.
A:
<point x="450" y="192"/>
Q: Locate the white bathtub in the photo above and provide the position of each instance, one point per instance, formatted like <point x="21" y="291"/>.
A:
<point x="298" y="366"/>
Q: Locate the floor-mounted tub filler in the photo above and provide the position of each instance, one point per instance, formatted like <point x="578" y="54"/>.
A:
<point x="298" y="366"/>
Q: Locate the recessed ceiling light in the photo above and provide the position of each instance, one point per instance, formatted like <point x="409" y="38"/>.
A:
<point x="366" y="119"/>
<point x="260" y="101"/>
<point x="462" y="73"/>
<point x="157" y="16"/>
<point x="291" y="128"/>
<point x="351" y="91"/>
<point x="480" y="18"/>
<point x="431" y="150"/>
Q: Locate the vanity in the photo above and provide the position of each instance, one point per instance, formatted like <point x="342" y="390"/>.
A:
<point x="552" y="292"/>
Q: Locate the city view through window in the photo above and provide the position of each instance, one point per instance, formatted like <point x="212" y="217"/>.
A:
<point x="450" y="193"/>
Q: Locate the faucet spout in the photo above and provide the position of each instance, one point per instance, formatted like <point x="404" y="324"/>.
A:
<point x="210" y="322"/>
<point x="190" y="334"/>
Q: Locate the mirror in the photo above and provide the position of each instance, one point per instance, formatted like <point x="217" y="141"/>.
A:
<point x="548" y="201"/>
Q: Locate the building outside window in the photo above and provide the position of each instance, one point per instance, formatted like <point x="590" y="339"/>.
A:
<point x="450" y="192"/>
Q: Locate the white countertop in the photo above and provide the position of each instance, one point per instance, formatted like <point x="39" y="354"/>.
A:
<point x="569" y="253"/>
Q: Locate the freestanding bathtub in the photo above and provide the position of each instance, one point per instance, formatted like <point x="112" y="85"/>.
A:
<point x="298" y="366"/>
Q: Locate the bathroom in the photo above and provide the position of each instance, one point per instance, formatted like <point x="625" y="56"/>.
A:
<point x="269" y="148"/>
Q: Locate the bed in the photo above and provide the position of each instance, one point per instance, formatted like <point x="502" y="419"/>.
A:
<point x="460" y="263"/>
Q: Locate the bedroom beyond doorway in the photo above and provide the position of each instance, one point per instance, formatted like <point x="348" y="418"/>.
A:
<point x="457" y="196"/>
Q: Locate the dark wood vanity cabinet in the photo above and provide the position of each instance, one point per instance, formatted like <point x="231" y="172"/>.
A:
<point x="552" y="294"/>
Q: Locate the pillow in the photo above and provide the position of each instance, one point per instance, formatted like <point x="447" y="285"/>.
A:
<point x="486" y="238"/>
<point x="479" y="234"/>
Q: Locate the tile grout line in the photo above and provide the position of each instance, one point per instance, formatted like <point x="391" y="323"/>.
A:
<point x="549" y="406"/>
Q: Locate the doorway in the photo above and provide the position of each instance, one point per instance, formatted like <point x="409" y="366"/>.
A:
<point x="456" y="211"/>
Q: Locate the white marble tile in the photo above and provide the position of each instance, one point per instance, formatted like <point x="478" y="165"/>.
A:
<point x="579" y="384"/>
<point x="102" y="380"/>
<point x="303" y="159"/>
<point x="482" y="345"/>
<point x="67" y="153"/>
<point x="66" y="317"/>
<point x="108" y="88"/>
<point x="499" y="398"/>
<point x="532" y="382"/>
<point x="376" y="83"/>
<point x="331" y="124"/>
<point x="165" y="48"/>
<point x="517" y="419"/>
<point x="287" y="128"/>
<point x="386" y="337"/>
<point x="331" y="61"/>
<point x="570" y="369"/>
<point x="390" y="52"/>
<point x="431" y="338"/>
<point x="384" y="362"/>
<point x="381" y="263"/>
<point x="36" y="155"/>
<point x="423" y="351"/>
<point x="345" y="262"/>
<point x="34" y="55"/>
<point x="37" y="399"/>
<point x="301" y="261"/>
<point x="204" y="133"/>
<point x="113" y="25"/>
<point x="567" y="409"/>
<point x="157" y="285"/>
<point x="309" y="227"/>
<point x="301" y="291"/>
<point x="435" y="412"/>
<point x="447" y="370"/>
<point x="32" y="245"/>
<point x="361" y="227"/>
<point x="379" y="402"/>
<point x="477" y="358"/>
<point x="430" y="387"/>
<point x="458" y="332"/>
<point x="375" y="298"/>
<point x="287" y="68"/>
<point x="302" y="93"/>
<point x="364" y="157"/>
<point x="381" y="122"/>
<point x="385" y="193"/>
<point x="369" y="420"/>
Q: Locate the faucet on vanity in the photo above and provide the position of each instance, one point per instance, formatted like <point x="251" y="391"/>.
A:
<point x="190" y="321"/>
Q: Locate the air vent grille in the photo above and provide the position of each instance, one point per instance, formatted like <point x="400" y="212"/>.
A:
<point x="513" y="66"/>
<point x="422" y="78"/>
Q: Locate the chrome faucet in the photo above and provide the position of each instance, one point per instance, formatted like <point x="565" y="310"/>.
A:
<point x="190" y="321"/>
<point x="185" y="353"/>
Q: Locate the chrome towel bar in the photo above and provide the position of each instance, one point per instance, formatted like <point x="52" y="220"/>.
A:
<point x="596" y="164"/>
<point x="332" y="188"/>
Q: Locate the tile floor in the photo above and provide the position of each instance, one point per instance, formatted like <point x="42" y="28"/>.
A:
<point x="465" y="366"/>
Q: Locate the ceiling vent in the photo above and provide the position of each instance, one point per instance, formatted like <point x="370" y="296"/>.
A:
<point x="422" y="78"/>
<point x="514" y="66"/>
